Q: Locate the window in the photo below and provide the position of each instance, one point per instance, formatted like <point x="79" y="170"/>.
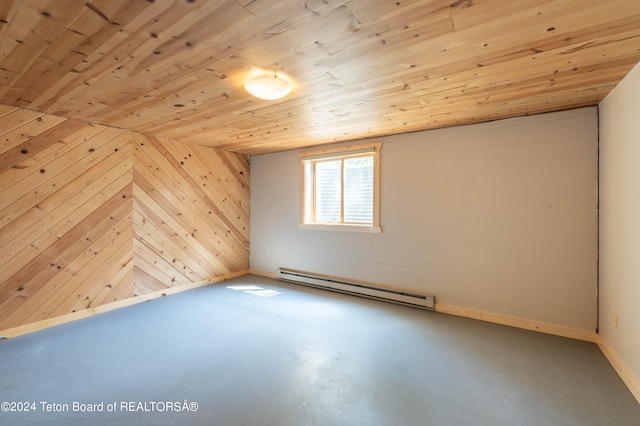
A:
<point x="340" y="188"/>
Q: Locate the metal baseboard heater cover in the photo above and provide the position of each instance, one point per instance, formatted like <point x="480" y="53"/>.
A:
<point x="423" y="301"/>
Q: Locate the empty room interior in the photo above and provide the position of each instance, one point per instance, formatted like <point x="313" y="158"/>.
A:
<point x="321" y="212"/>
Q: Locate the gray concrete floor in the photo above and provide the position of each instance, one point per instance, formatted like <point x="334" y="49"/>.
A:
<point x="303" y="357"/>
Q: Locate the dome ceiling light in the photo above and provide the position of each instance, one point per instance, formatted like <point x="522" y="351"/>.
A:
<point x="268" y="86"/>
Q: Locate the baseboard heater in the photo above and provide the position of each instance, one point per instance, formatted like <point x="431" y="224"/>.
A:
<point x="415" y="300"/>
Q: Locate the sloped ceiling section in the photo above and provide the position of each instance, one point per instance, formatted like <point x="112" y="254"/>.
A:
<point x="361" y="68"/>
<point x="91" y="214"/>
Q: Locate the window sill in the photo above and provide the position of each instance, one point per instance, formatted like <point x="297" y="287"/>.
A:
<point x="340" y="228"/>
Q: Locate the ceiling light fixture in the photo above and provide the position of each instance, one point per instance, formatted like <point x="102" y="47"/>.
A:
<point x="268" y="86"/>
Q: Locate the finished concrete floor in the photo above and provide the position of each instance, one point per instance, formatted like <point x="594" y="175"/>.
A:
<point x="303" y="357"/>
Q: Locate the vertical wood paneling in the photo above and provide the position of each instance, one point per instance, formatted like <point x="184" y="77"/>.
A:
<point x="191" y="214"/>
<point x="91" y="214"/>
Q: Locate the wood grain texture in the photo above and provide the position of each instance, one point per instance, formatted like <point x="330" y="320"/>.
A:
<point x="191" y="222"/>
<point x="91" y="214"/>
<point x="361" y="68"/>
<point x="66" y="197"/>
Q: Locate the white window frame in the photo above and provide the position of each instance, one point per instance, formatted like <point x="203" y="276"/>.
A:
<point x="307" y="193"/>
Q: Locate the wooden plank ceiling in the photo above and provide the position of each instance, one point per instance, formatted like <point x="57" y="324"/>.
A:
<point x="361" y="68"/>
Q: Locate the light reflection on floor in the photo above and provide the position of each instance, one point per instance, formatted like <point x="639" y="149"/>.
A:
<point x="255" y="290"/>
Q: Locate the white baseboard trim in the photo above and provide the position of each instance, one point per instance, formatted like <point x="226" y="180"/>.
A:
<point x="621" y="368"/>
<point x="527" y="324"/>
<point x="85" y="313"/>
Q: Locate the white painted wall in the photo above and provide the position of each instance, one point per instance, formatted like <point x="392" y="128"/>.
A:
<point x="498" y="217"/>
<point x="620" y="221"/>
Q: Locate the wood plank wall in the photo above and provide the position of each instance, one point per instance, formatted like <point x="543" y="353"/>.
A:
<point x="190" y="213"/>
<point x="91" y="214"/>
